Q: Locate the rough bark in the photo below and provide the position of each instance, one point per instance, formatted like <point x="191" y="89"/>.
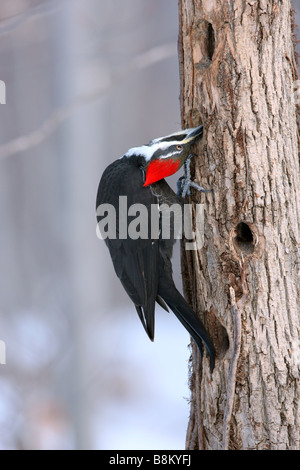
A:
<point x="238" y="67"/>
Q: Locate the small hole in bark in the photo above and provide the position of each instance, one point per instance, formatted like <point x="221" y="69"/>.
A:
<point x="244" y="238"/>
<point x="223" y="342"/>
<point x="210" y="41"/>
<point x="218" y="333"/>
<point x="244" y="233"/>
<point x="204" y="36"/>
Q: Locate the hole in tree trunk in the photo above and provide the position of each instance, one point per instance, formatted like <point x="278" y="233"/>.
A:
<point x="244" y="239"/>
<point x="205" y="38"/>
<point x="223" y="342"/>
<point x="210" y="41"/>
<point x="218" y="333"/>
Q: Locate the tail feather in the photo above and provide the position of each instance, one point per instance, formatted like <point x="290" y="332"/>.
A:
<point x="190" y="321"/>
<point x="160" y="302"/>
<point x="144" y="317"/>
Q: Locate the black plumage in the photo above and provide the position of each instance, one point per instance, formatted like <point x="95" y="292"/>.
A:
<point x="143" y="265"/>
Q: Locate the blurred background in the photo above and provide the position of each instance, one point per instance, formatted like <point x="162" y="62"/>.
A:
<point x="85" y="81"/>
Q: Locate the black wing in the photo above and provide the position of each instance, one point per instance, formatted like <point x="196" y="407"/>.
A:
<point x="135" y="261"/>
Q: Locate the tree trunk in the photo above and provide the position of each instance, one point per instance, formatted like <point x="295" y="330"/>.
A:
<point x="237" y="72"/>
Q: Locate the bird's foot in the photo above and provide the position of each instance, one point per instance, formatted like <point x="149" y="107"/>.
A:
<point x="184" y="184"/>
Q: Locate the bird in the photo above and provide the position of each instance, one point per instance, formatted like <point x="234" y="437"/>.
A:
<point x="142" y="262"/>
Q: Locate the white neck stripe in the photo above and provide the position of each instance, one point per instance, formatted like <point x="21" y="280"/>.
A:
<point x="147" y="151"/>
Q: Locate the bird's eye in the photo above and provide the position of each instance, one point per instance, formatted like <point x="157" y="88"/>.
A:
<point x="179" y="147"/>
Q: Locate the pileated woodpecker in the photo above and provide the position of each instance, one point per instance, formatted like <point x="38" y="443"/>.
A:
<point x="143" y="264"/>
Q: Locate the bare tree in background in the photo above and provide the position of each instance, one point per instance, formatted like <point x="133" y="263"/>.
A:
<point x="238" y="70"/>
<point x="75" y="72"/>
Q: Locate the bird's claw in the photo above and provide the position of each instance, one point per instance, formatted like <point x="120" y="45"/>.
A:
<point x="184" y="183"/>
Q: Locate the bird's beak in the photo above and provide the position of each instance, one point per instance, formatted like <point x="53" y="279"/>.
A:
<point x="193" y="134"/>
